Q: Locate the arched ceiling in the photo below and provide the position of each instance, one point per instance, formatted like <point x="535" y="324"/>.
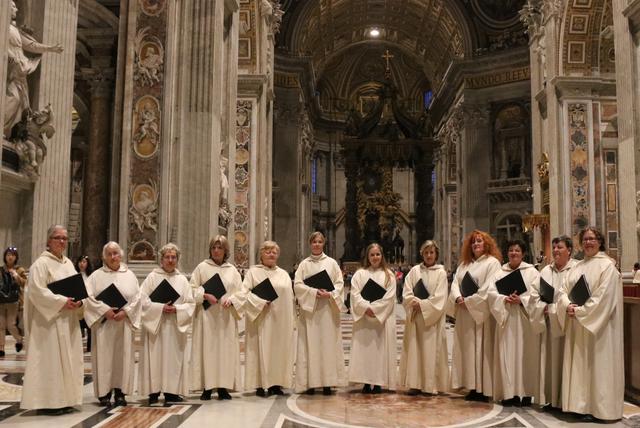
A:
<point x="434" y="32"/>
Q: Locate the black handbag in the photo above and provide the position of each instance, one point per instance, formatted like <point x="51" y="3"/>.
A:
<point x="9" y="289"/>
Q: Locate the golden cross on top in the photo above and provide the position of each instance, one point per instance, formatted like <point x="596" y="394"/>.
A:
<point x="387" y="56"/>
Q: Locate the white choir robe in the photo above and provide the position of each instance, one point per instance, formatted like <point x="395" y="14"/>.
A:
<point x="593" y="373"/>
<point x="164" y="357"/>
<point x="472" y="356"/>
<point x="269" y="330"/>
<point x="424" y="363"/>
<point x="551" y="335"/>
<point x="517" y="348"/>
<point x="54" y="373"/>
<point x="112" y="352"/>
<point x="320" y="356"/>
<point x="373" y="344"/>
<point x="215" y="355"/>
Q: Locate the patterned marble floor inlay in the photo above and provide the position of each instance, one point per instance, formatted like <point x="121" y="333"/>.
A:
<point x="389" y="409"/>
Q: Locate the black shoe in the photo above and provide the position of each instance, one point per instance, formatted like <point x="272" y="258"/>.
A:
<point x="310" y="391"/>
<point x="376" y="389"/>
<point x="589" y="419"/>
<point x="153" y="398"/>
<point x="260" y="392"/>
<point x="276" y="390"/>
<point x="514" y="401"/>
<point x="525" y="402"/>
<point x="19" y="346"/>
<point x="105" y="401"/>
<point x="223" y="394"/>
<point x="172" y="398"/>
<point x="471" y="396"/>
<point x="326" y="390"/>
<point x="413" y="391"/>
<point x="366" y="389"/>
<point x="120" y="401"/>
<point x="206" y="395"/>
<point x="55" y="412"/>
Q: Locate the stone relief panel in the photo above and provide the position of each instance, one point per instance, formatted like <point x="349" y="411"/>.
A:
<point x="153" y="7"/>
<point x="146" y="125"/>
<point x="144" y="205"/>
<point x="579" y="167"/>
<point x="146" y="129"/>
<point x="242" y="172"/>
<point x="149" y="59"/>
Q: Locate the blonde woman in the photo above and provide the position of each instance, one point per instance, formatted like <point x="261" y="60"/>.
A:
<point x="373" y="359"/>
<point x="215" y="357"/>
<point x="424" y="365"/>
<point x="163" y="359"/>
<point x="269" y="326"/>
<point x="320" y="357"/>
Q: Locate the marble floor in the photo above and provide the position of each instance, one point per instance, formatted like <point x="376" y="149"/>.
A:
<point x="347" y="408"/>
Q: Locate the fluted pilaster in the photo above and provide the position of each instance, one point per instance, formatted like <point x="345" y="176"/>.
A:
<point x="199" y="132"/>
<point x="55" y="86"/>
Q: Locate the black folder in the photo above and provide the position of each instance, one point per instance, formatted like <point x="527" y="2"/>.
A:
<point x="320" y="281"/>
<point x="547" y="292"/>
<point x="164" y="293"/>
<point x="512" y="283"/>
<point x="213" y="286"/>
<point x="112" y="297"/>
<point x="580" y="292"/>
<point x="71" y="286"/>
<point x="373" y="291"/>
<point x="265" y="291"/>
<point x="469" y="286"/>
<point x="420" y="291"/>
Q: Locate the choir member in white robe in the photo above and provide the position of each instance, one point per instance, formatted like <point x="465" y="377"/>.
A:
<point x="54" y="373"/>
<point x="544" y="321"/>
<point x="424" y="363"/>
<point x="269" y="326"/>
<point x="319" y="357"/>
<point x="593" y="374"/>
<point x="215" y="355"/>
<point x="373" y="344"/>
<point x="517" y="348"/>
<point x="113" y="329"/>
<point x="472" y="356"/>
<point x="164" y="359"/>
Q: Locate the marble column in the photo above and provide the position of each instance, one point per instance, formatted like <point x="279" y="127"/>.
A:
<point x="352" y="246"/>
<point x="59" y="22"/>
<point x="626" y="17"/>
<point x="95" y="205"/>
<point x="198" y="127"/>
<point x="475" y="161"/>
<point x="5" y="19"/>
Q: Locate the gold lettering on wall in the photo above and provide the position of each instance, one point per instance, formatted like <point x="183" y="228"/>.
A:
<point x="498" y="78"/>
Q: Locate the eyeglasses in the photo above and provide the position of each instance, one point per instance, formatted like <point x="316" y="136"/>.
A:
<point x="12" y="248"/>
<point x="59" y="238"/>
<point x="589" y="239"/>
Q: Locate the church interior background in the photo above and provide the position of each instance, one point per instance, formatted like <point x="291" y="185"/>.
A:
<point x="393" y="121"/>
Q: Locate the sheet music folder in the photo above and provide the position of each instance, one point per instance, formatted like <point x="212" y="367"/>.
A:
<point x="547" y="292"/>
<point x="580" y="292"/>
<point x="215" y="286"/>
<point x="265" y="291"/>
<point x="164" y="293"/>
<point x="420" y="290"/>
<point x="468" y="287"/>
<point x="71" y="286"/>
<point x="320" y="281"/>
<point x="112" y="297"/>
<point x="372" y="291"/>
<point x="512" y="283"/>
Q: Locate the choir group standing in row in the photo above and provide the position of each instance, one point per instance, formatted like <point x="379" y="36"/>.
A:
<point x="513" y="348"/>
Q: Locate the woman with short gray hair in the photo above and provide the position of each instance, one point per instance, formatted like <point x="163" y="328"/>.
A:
<point x="113" y="328"/>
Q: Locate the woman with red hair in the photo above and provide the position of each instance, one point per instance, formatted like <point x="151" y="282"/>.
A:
<point x="473" y="336"/>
